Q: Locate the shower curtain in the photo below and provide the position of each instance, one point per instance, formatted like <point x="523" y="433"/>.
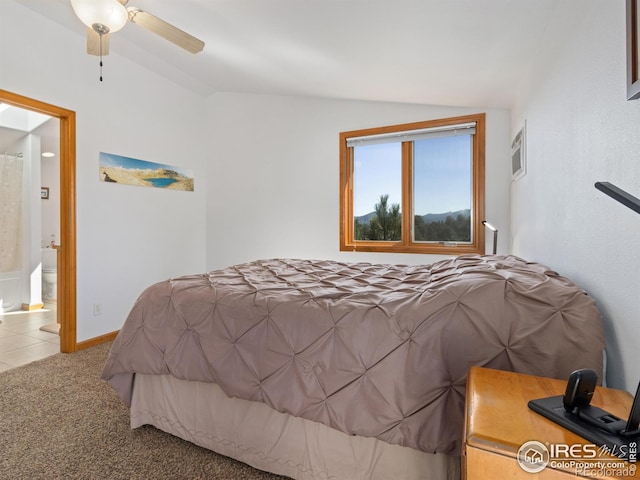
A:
<point x="10" y="211"/>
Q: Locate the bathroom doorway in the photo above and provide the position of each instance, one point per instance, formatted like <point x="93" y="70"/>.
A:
<point x="63" y="243"/>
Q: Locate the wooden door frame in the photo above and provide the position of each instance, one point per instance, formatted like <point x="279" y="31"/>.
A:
<point x="66" y="301"/>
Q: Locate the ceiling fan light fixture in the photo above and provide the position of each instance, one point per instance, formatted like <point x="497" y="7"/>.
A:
<point x="103" y="16"/>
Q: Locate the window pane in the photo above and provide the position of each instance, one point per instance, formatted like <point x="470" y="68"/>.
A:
<point x="377" y="183"/>
<point x="442" y="189"/>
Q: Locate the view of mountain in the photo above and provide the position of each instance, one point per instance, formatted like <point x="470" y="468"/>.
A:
<point x="428" y="218"/>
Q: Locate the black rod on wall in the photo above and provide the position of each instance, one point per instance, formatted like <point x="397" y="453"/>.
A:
<point x="620" y="195"/>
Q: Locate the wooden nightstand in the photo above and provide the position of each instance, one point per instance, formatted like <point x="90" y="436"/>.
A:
<point x="498" y="422"/>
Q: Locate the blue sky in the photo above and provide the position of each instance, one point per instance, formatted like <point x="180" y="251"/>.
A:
<point x="442" y="175"/>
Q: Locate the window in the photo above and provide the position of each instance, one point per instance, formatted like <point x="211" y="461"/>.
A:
<point x="414" y="188"/>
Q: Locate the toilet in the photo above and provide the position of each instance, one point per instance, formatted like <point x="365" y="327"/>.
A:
<point x="49" y="273"/>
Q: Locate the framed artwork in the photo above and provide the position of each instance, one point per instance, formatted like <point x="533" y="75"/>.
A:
<point x="44" y="193"/>
<point x="132" y="171"/>
<point x="633" y="50"/>
<point x="518" y="157"/>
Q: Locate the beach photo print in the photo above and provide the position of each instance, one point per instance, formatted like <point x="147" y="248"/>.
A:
<point x="131" y="171"/>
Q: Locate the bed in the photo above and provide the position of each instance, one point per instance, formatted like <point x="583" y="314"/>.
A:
<point x="326" y="369"/>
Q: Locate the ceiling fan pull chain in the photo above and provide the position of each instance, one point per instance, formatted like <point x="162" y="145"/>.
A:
<point x="100" y="57"/>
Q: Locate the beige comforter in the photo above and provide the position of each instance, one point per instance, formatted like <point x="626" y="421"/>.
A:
<point x="372" y="350"/>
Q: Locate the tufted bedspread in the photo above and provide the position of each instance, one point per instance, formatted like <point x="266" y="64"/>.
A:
<point x="373" y="350"/>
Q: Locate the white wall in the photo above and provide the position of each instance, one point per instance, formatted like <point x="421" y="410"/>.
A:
<point x="50" y="221"/>
<point x="581" y="129"/>
<point x="128" y="237"/>
<point x="273" y="186"/>
<point x="31" y="227"/>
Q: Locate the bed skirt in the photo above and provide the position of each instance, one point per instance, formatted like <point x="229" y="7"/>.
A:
<point x="257" y="435"/>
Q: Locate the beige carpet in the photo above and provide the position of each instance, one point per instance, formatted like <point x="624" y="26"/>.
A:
<point x="58" y="420"/>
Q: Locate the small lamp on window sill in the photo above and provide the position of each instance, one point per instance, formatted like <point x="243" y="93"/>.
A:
<point x="495" y="234"/>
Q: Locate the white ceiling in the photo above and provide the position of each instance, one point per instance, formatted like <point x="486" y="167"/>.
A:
<point x="448" y="52"/>
<point x="16" y="123"/>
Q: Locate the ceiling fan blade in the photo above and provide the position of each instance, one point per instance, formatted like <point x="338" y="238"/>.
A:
<point x="93" y="43"/>
<point x="165" y="30"/>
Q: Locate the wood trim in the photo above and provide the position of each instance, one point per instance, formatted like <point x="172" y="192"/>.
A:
<point x="633" y="67"/>
<point x="479" y="183"/>
<point x="67" y="254"/>
<point x="107" y="337"/>
<point x="347" y="241"/>
<point x="67" y="249"/>
<point x="346" y="193"/>
<point x="35" y="306"/>
<point x="407" y="193"/>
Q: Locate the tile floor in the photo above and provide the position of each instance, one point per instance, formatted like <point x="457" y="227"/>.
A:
<point x="22" y="341"/>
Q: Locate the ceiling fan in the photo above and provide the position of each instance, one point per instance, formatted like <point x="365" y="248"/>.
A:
<point x="108" y="16"/>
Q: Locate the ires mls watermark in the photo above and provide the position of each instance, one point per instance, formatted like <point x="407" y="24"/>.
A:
<point x="586" y="460"/>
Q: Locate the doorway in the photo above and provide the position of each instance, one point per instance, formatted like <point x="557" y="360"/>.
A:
<point x="66" y="255"/>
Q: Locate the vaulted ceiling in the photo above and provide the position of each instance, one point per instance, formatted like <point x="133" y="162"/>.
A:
<point x="451" y="52"/>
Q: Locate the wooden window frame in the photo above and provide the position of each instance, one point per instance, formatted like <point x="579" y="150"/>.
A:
<point x="406" y="244"/>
